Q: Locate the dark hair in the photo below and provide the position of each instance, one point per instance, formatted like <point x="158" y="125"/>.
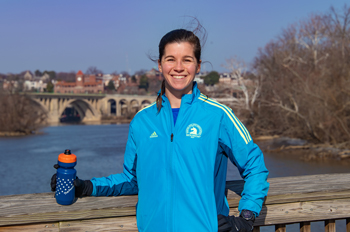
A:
<point x="177" y="36"/>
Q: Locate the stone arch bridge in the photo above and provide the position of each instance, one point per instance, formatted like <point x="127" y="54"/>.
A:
<point x="91" y="106"/>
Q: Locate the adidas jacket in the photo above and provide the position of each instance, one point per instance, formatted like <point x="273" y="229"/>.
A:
<point x="179" y="172"/>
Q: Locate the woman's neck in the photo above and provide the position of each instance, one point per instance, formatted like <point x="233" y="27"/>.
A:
<point x="175" y="97"/>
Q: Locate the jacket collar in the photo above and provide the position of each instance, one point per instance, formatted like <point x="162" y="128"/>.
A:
<point x="187" y="98"/>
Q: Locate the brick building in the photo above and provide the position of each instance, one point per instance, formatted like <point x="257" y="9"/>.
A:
<point x="83" y="84"/>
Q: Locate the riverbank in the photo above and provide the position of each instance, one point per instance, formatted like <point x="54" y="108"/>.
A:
<point x="306" y="151"/>
<point x="17" y="134"/>
<point x="115" y="120"/>
<point x="272" y="144"/>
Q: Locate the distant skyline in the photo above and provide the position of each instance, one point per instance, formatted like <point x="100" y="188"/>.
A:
<point x="66" y="36"/>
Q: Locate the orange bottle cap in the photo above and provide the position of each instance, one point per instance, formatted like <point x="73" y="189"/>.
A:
<point x="67" y="157"/>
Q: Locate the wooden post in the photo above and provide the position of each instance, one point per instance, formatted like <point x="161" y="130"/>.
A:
<point x="330" y="225"/>
<point x="280" y="228"/>
<point x="256" y="229"/>
<point x="305" y="227"/>
<point x="348" y="225"/>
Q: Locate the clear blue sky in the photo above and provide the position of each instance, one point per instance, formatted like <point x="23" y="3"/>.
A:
<point x="116" y="35"/>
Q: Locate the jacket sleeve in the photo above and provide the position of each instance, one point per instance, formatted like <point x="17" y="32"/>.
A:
<point x="236" y="141"/>
<point x="124" y="183"/>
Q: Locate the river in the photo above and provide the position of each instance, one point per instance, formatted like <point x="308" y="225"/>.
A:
<point x="27" y="162"/>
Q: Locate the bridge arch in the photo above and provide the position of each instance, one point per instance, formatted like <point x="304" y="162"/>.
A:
<point x="145" y="103"/>
<point x="111" y="106"/>
<point x="86" y="111"/>
<point x="134" y="106"/>
<point x="40" y="104"/>
<point x="123" y="107"/>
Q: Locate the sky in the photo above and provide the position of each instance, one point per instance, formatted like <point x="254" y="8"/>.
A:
<point x="117" y="35"/>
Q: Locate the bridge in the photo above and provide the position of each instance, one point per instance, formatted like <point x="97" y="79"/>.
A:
<point x="90" y="107"/>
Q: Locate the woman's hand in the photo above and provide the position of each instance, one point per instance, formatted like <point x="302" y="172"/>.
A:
<point x="82" y="187"/>
<point x="234" y="224"/>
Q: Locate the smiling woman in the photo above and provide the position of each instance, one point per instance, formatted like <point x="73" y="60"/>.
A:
<point x="177" y="152"/>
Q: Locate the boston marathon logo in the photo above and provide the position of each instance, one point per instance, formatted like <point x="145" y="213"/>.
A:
<point x="194" y="131"/>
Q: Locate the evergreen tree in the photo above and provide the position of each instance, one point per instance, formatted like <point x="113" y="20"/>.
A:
<point x="110" y="85"/>
<point x="144" y="82"/>
<point x="49" y="87"/>
<point x="212" y="78"/>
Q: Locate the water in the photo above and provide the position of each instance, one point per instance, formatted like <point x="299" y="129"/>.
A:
<point x="27" y="162"/>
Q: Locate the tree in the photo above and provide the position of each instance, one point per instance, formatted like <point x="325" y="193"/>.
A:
<point x="92" y="70"/>
<point x="305" y="80"/>
<point x="141" y="72"/>
<point x="38" y="73"/>
<point x="49" y="87"/>
<point x="133" y="79"/>
<point x="144" y="84"/>
<point x="19" y="113"/>
<point x="125" y="73"/>
<point x="52" y="74"/>
<point x="66" y="76"/>
<point x="248" y="83"/>
<point x="110" y="85"/>
<point x="212" y="78"/>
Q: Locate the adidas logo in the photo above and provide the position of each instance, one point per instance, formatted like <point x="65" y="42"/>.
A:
<point x="154" y="135"/>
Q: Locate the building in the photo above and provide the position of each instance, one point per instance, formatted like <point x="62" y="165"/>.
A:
<point x="227" y="78"/>
<point x="83" y="84"/>
<point x="35" y="85"/>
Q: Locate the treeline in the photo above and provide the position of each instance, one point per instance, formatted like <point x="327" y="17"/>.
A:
<point x="303" y="81"/>
<point x="20" y="114"/>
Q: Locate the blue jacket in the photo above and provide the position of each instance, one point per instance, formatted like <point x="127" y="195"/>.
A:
<point x="179" y="172"/>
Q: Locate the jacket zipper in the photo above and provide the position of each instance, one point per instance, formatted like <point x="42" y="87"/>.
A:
<point x="171" y="182"/>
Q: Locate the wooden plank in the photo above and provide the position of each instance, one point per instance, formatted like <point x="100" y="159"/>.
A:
<point x="277" y="214"/>
<point x="68" y="215"/>
<point x="301" y="211"/>
<point x="39" y="208"/>
<point x="329" y="226"/>
<point x="36" y="208"/>
<point x="100" y="225"/>
<point x="305" y="227"/>
<point x="280" y="228"/>
<point x="46" y="227"/>
<point x="297" y="188"/>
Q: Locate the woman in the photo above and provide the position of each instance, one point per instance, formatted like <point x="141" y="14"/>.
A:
<point x="177" y="151"/>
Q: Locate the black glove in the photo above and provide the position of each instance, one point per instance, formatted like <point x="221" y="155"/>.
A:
<point x="234" y="224"/>
<point x="82" y="187"/>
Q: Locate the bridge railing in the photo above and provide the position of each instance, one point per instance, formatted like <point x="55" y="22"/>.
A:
<point x="300" y="199"/>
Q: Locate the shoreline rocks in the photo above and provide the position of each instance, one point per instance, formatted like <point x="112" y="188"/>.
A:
<point x="306" y="151"/>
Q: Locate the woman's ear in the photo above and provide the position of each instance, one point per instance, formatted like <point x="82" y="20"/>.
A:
<point x="199" y="66"/>
<point x="159" y="66"/>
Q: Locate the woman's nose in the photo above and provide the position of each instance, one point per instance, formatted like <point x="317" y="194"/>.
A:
<point x="178" y="66"/>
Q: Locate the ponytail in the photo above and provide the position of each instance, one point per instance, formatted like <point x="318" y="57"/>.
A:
<point x="159" y="98"/>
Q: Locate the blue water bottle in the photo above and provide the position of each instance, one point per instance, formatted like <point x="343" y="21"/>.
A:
<point x="66" y="174"/>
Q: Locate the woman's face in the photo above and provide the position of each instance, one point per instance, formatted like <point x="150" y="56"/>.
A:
<point x="179" y="67"/>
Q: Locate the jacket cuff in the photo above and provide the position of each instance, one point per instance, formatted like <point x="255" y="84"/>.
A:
<point x="93" y="188"/>
<point x="249" y="205"/>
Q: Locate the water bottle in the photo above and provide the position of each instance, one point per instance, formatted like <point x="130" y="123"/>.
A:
<point x="66" y="174"/>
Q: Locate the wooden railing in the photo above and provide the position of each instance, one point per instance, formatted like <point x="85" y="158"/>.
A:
<point x="301" y="199"/>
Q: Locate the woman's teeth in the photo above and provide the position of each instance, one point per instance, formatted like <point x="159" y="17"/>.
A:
<point x="178" y="77"/>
